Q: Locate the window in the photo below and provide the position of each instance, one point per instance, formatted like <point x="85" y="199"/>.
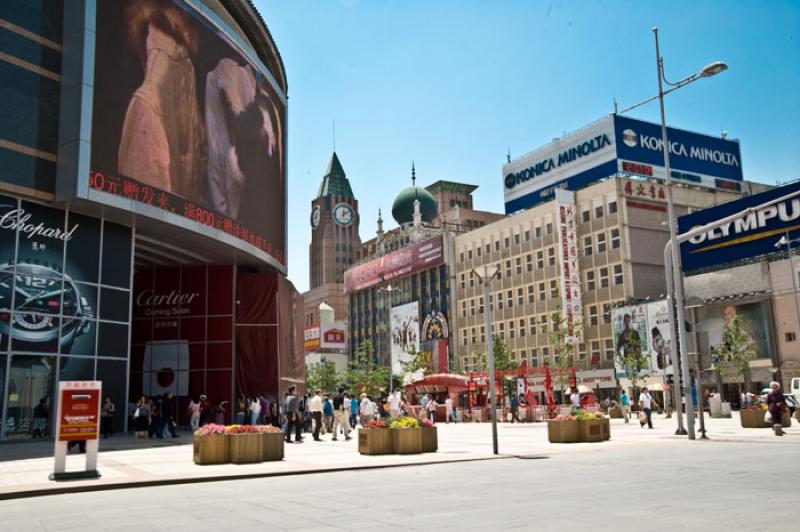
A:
<point x="581" y="351"/>
<point x="520" y="297"/>
<point x="595" y="353"/>
<point x="508" y="268"/>
<point x="483" y="334"/>
<point x="534" y="358"/>
<point x="521" y="328"/>
<point x="551" y="256"/>
<point x="541" y="292"/>
<point x="506" y="241"/>
<point x="480" y="305"/>
<point x="516" y="238"/>
<point x="790" y="337"/>
<point x="530" y="293"/>
<point x="587" y="246"/>
<point x="585" y="215"/>
<point x="464" y="339"/>
<point x="546" y="354"/>
<point x="463" y="281"/>
<point x="540" y="259"/>
<point x="471" y="307"/>
<point x="593" y="315"/>
<point x="609" y="349"/>
<point x="478" y="250"/>
<point x="471" y="281"/>
<point x="553" y="288"/>
<point x="518" y="265"/>
<point x="472" y="335"/>
<point x="488" y="248"/>
<point x="461" y="257"/>
<point x="614" y="238"/>
<point x="502" y="332"/>
<point x="500" y="301"/>
<point x="511" y="329"/>
<point x="548" y="228"/>
<point x="527" y="235"/>
<point x="528" y="262"/>
<point x="510" y="298"/>
<point x="543" y="322"/>
<point x="469" y="254"/>
<point x="532" y="326"/>
<point x="537" y="231"/>
<point x="618" y="277"/>
<point x="598" y="211"/>
<point x="589" y="280"/>
<point x="612" y="206"/>
<point x="606" y="313"/>
<point x="601" y="242"/>
<point x="604" y="277"/>
<point x="497" y="245"/>
<point x="463" y="309"/>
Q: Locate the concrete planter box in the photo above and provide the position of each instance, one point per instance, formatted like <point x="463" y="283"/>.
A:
<point x="245" y="448"/>
<point x="606" y="426"/>
<point x="591" y="430"/>
<point x="375" y="441"/>
<point x="615" y="412"/>
<point x="212" y="449"/>
<point x="406" y="441"/>
<point x="430" y="439"/>
<point x="563" y="431"/>
<point x="755" y="419"/>
<point x="271" y="445"/>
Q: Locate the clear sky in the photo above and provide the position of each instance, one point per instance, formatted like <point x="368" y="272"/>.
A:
<point x="454" y="85"/>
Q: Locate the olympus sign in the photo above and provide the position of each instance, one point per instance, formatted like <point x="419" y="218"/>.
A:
<point x="566" y="157"/>
<point x="785" y="211"/>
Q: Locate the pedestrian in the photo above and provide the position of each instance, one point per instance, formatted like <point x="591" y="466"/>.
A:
<point x="327" y="413"/>
<point x="206" y="410"/>
<point x="40" y="419"/>
<point x="220" y="411"/>
<point x="193" y="410"/>
<point x="264" y="410"/>
<point x="450" y="411"/>
<point x="430" y="408"/>
<point x="776" y="404"/>
<point x="293" y="419"/>
<point x="255" y="410"/>
<point x="167" y="418"/>
<point x="366" y="409"/>
<point x="342" y="414"/>
<point x="107" y="417"/>
<point x="394" y="405"/>
<point x="141" y="416"/>
<point x="514" y="409"/>
<point x="315" y="407"/>
<point x="154" y="429"/>
<point x="275" y="414"/>
<point x="575" y="399"/>
<point x="241" y="410"/>
<point x="624" y="405"/>
<point x="353" y="412"/>
<point x="646" y="403"/>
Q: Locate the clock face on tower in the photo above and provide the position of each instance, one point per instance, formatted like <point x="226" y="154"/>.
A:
<point x="315" y="217"/>
<point x="343" y="214"/>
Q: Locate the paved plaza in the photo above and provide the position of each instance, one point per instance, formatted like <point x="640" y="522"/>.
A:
<point x="126" y="462"/>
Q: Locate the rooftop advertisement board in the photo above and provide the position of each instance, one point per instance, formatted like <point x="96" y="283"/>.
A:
<point x="395" y="264"/>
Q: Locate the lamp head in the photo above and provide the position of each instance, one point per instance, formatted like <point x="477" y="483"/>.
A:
<point x="713" y="69"/>
<point x="782" y="242"/>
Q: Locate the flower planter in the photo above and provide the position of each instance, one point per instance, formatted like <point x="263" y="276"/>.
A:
<point x="755" y="419"/>
<point x="430" y="440"/>
<point x="615" y="412"/>
<point x="406" y="441"/>
<point x="245" y="448"/>
<point x="271" y="446"/>
<point x="566" y="431"/>
<point x="375" y="441"/>
<point x="606" y="426"/>
<point x="591" y="430"/>
<point x="211" y="449"/>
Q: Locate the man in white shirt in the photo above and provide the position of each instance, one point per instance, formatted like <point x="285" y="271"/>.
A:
<point x="365" y="409"/>
<point x="394" y="405"/>
<point x="646" y="403"/>
<point x="315" y="407"/>
<point x="575" y="398"/>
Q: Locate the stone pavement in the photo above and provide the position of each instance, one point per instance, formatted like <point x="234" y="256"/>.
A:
<point x="126" y="462"/>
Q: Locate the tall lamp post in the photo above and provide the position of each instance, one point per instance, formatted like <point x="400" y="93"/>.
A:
<point x="786" y="241"/>
<point x="708" y="71"/>
<point x="383" y="290"/>
<point x="486" y="275"/>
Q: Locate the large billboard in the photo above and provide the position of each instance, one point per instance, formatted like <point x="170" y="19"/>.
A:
<point x="752" y="234"/>
<point x="571" y="304"/>
<point x="643" y="333"/>
<point x="186" y="122"/>
<point x="404" y="334"/>
<point x="395" y="264"/>
<point x="619" y="145"/>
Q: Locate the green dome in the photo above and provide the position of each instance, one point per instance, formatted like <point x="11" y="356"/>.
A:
<point x="403" y="206"/>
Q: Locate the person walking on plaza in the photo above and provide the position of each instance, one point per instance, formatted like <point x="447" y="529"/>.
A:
<point x="646" y="403"/>
<point x="315" y="407"/>
<point x="776" y="404"/>
<point x="366" y="409"/>
<point x="241" y="410"/>
<point x="107" y="417"/>
<point x="353" y="412"/>
<point x="327" y="415"/>
<point x="430" y="409"/>
<point x="219" y="411"/>
<point x="514" y="409"/>
<point x="167" y="419"/>
<point x="394" y="405"/>
<point x="206" y="410"/>
<point x="575" y="399"/>
<point x="275" y="414"/>
<point x="450" y="411"/>
<point x="255" y="410"/>
<point x="342" y="414"/>
<point x="624" y="405"/>
<point x="292" y="417"/>
<point x="194" y="414"/>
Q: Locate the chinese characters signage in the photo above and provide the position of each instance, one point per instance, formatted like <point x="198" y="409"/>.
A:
<point x="78" y="410"/>
<point x="396" y="264"/>
<point x="571" y="306"/>
<point x="333" y="336"/>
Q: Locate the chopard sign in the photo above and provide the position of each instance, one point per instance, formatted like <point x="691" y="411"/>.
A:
<point x="18" y="219"/>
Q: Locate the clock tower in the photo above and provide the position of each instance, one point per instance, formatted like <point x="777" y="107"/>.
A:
<point x="335" y="241"/>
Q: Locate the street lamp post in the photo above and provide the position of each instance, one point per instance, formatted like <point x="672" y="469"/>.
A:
<point x="486" y="275"/>
<point x="677" y="275"/>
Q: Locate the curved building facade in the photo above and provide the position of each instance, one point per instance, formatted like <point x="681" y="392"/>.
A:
<point x="142" y="205"/>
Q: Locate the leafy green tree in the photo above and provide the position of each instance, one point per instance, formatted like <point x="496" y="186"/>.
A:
<point x="418" y="361"/>
<point x="738" y="348"/>
<point x="564" y="356"/>
<point x="502" y="355"/>
<point x="363" y="374"/>
<point x="323" y="376"/>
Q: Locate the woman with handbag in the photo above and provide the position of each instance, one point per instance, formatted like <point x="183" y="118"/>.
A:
<point x="776" y="404"/>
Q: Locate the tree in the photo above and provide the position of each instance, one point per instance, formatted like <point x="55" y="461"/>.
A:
<point x="419" y="360"/>
<point x="363" y="374"/>
<point x="562" y="344"/>
<point x="629" y="354"/>
<point x="323" y="376"/>
<point x="502" y="355"/>
<point x="737" y="348"/>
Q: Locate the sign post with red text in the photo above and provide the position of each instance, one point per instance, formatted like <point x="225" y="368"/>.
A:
<point x="78" y="421"/>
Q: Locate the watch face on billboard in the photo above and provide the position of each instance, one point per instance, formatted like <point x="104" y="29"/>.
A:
<point x="185" y="122"/>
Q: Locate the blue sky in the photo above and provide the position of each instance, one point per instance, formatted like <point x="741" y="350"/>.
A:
<point x="454" y="84"/>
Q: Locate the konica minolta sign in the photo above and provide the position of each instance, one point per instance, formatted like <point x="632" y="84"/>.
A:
<point x="751" y="235"/>
<point x="619" y="145"/>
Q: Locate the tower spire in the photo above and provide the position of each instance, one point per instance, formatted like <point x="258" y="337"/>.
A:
<point x="334" y="136"/>
<point x="413" y="175"/>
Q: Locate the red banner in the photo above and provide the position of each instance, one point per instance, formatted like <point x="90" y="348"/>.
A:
<point x="395" y="264"/>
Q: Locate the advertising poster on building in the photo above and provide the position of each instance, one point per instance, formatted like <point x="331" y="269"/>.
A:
<point x="78" y="410"/>
<point x="404" y="334"/>
<point x="311" y="338"/>
<point x="571" y="305"/>
<point x="333" y="336"/>
<point x="186" y="122"/>
<point x="661" y="345"/>
<point x="753" y="322"/>
<point x="395" y="264"/>
<point x="631" y="340"/>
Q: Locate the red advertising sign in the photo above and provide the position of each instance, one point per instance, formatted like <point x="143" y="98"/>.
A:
<point x="78" y="410"/>
<point x="396" y="264"/>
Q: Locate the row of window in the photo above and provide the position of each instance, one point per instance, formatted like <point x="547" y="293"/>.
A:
<point x="599" y="350"/>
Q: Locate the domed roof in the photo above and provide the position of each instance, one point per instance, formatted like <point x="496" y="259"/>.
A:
<point x="403" y="206"/>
